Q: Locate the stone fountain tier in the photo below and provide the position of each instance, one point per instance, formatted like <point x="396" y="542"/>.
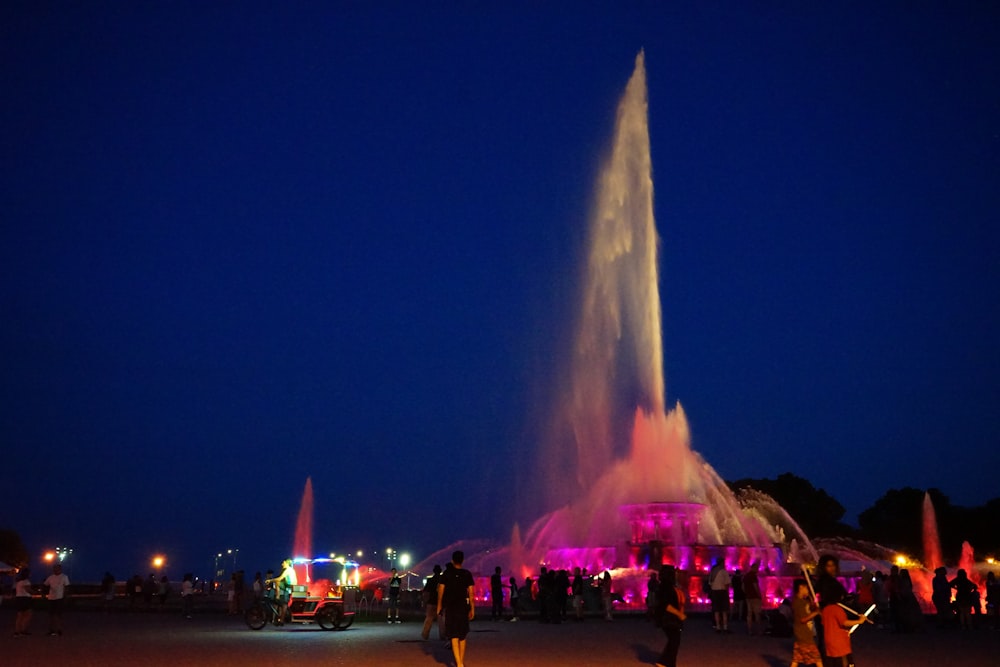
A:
<point x="668" y="523"/>
<point x="665" y="533"/>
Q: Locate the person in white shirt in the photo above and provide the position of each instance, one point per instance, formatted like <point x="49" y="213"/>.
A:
<point x="56" y="583"/>
<point x="22" y="602"/>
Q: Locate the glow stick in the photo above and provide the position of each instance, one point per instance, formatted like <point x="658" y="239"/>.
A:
<point x="809" y="582"/>
<point x="867" y="620"/>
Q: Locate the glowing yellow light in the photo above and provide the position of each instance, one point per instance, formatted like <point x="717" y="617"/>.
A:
<point x="158" y="561"/>
<point x="901" y="560"/>
<point x="990" y="560"/>
<point x="49" y="556"/>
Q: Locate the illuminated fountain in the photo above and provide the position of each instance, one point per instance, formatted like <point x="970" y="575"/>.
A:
<point x="633" y="494"/>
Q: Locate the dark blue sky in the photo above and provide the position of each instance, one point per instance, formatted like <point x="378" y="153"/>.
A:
<point x="240" y="245"/>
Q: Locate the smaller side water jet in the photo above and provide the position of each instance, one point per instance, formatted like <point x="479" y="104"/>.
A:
<point x="302" y="545"/>
<point x="932" y="542"/>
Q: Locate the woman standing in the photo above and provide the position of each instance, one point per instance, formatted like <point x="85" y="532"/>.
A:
<point x="22" y="602"/>
<point x="671" y="605"/>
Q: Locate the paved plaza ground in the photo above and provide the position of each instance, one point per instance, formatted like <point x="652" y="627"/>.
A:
<point x="213" y="638"/>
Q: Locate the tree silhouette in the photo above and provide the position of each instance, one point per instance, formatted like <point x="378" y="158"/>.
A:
<point x="12" y="550"/>
<point x="817" y="512"/>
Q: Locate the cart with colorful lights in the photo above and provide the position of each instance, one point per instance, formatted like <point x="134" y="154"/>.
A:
<point x="320" y="599"/>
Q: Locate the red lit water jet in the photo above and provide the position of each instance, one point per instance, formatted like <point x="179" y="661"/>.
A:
<point x="932" y="543"/>
<point x="302" y="546"/>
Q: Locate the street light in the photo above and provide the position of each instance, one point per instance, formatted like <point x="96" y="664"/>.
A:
<point x="404" y="562"/>
<point x="158" y="562"/>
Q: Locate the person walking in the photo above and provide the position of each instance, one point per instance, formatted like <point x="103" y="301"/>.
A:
<point x="430" y="596"/>
<point x="456" y="595"/>
<point x="56" y="585"/>
<point x="670" y="610"/>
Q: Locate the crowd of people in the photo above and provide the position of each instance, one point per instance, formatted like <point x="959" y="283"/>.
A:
<point x="819" y="613"/>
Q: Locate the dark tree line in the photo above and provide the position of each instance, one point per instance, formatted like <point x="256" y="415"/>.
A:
<point x="12" y="550"/>
<point x="895" y="520"/>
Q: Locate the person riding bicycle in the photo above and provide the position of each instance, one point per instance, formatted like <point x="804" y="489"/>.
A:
<point x="284" y="583"/>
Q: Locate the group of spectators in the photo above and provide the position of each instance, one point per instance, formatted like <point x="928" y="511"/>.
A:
<point x="55" y="588"/>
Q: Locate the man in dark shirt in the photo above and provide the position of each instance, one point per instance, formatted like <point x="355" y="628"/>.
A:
<point x="456" y="590"/>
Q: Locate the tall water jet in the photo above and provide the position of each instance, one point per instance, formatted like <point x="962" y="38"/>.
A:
<point x="617" y="358"/>
<point x="627" y="476"/>
<point x="932" y="542"/>
<point x="302" y="546"/>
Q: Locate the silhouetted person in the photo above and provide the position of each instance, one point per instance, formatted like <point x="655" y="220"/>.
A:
<point x="751" y="589"/>
<point x="670" y="609"/>
<point x="108" y="590"/>
<point x="456" y="596"/>
<point x="430" y="596"/>
<point x="164" y="590"/>
<point x="515" y="600"/>
<point x="965" y="596"/>
<point x="560" y="594"/>
<point x="496" y="594"/>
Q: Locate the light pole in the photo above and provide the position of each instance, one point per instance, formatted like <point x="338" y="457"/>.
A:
<point x="404" y="562"/>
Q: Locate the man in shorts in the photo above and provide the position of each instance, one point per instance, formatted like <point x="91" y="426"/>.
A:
<point x="456" y="590"/>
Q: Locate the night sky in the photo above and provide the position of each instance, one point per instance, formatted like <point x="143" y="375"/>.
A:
<point x="241" y="245"/>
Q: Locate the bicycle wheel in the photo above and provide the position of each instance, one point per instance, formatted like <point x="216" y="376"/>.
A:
<point x="327" y="618"/>
<point x="344" y="621"/>
<point x="256" y="617"/>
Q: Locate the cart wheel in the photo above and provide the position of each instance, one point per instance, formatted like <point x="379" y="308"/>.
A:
<point x="327" y="619"/>
<point x="256" y="617"/>
<point x="344" y="621"/>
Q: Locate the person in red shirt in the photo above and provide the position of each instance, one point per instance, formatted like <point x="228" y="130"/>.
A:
<point x="836" y="639"/>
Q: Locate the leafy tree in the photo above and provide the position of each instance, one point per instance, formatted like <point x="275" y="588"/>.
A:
<point x="817" y="512"/>
<point x="12" y="550"/>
